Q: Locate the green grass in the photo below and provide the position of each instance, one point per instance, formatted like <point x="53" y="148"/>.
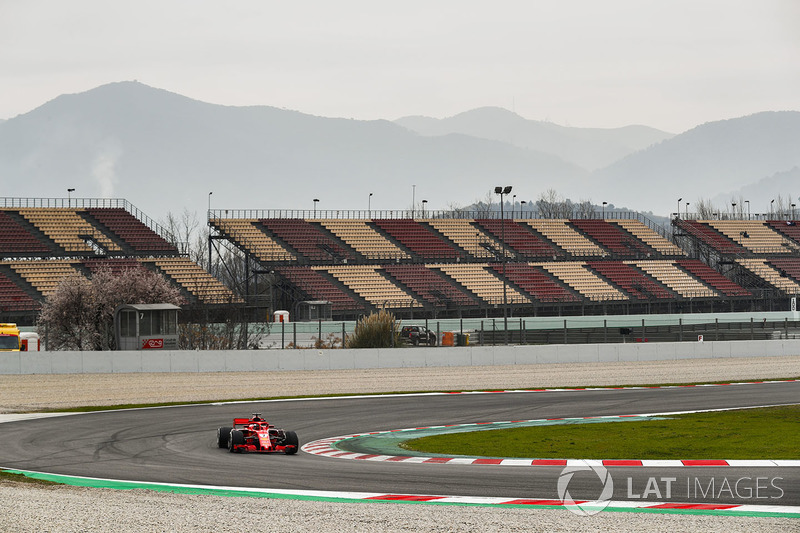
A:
<point x="765" y="433"/>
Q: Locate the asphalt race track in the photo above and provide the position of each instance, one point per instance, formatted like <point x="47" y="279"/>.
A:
<point x="178" y="445"/>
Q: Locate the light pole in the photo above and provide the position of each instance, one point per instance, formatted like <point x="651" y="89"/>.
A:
<point x="748" y="208"/>
<point x="369" y="206"/>
<point x="793" y="206"/>
<point x="503" y="191"/>
<point x="69" y="197"/>
<point x="513" y="205"/>
<point x="413" y="199"/>
<point x="604" y="210"/>
<point x="771" y="202"/>
<point x="423" y="207"/>
<point x="687" y="210"/>
<point x="678" y="214"/>
<point x="733" y="209"/>
<point x="208" y="223"/>
<point x="315" y="207"/>
<point x="522" y="209"/>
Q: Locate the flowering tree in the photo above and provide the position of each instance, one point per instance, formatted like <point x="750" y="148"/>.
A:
<point x="79" y="314"/>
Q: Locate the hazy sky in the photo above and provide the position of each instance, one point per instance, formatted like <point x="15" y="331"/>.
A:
<point x="668" y="64"/>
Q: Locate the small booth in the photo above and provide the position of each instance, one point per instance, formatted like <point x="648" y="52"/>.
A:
<point x="314" y="310"/>
<point x="146" y="326"/>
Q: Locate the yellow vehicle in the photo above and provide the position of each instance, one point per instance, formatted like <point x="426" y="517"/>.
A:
<point x="9" y="338"/>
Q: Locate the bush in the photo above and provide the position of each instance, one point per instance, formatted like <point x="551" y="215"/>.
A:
<point x="376" y="330"/>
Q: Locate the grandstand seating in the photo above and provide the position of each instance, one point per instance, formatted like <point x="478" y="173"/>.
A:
<point x="567" y="238"/>
<point x="69" y="230"/>
<point x="115" y="265"/>
<point x="16" y="240"/>
<point x="587" y="283"/>
<point x="630" y="279"/>
<point x="789" y="228"/>
<point x="478" y="280"/>
<point x="307" y="239"/>
<point x="130" y="229"/>
<point x="45" y="275"/>
<point x="787" y="266"/>
<point x="536" y="282"/>
<point x="756" y="236"/>
<point x="418" y="238"/>
<point x="247" y="236"/>
<point x="649" y="237"/>
<point x="317" y="287"/>
<point x="13" y="298"/>
<point x="359" y="235"/>
<point x="708" y="275"/>
<point x="678" y="280"/>
<point x="439" y="264"/>
<point x="367" y="282"/>
<point x="523" y="241"/>
<point x="612" y="237"/>
<point x="760" y="268"/>
<point x="194" y="279"/>
<point x="711" y="237"/>
<point x="472" y="240"/>
<point x="432" y="287"/>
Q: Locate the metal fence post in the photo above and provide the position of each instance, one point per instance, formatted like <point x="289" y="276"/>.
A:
<point x="283" y="335"/>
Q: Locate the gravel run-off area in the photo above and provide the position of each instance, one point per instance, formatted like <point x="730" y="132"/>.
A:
<point x="57" y="508"/>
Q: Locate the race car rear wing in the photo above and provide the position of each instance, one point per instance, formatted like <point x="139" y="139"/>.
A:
<point x="241" y="421"/>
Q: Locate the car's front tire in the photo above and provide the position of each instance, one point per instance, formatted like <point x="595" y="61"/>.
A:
<point x="291" y="440"/>
<point x="236" y="439"/>
<point x="223" y="434"/>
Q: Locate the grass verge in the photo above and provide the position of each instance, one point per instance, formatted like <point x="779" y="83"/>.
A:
<point x="763" y="433"/>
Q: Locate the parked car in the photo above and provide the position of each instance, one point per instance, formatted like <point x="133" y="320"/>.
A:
<point x="418" y="335"/>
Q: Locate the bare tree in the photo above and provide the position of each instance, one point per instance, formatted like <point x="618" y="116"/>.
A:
<point x="705" y="209"/>
<point x="186" y="228"/>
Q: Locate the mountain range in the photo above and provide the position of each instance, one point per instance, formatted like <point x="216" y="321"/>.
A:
<point x="165" y="152"/>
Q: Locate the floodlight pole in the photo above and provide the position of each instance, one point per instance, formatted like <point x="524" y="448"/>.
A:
<point x="502" y="191"/>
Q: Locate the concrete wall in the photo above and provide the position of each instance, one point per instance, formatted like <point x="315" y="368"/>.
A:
<point x="277" y="360"/>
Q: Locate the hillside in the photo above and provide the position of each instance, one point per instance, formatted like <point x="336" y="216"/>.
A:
<point x="164" y="152"/>
<point x="589" y="148"/>
<point x="704" y="162"/>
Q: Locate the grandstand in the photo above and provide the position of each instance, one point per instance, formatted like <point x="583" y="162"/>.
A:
<point x="451" y="264"/>
<point x="44" y="241"/>
<point x="446" y="264"/>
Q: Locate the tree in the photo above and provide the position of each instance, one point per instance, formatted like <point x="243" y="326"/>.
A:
<point x="79" y="314"/>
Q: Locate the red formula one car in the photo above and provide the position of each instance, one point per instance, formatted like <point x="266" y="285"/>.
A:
<point x="255" y="434"/>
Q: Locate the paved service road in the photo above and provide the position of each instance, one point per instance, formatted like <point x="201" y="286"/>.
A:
<point x="177" y="445"/>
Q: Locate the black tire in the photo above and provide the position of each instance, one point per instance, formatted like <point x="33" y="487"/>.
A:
<point x="432" y="341"/>
<point x="236" y="438"/>
<point x="291" y="440"/>
<point x="223" y="434"/>
<point x="415" y="341"/>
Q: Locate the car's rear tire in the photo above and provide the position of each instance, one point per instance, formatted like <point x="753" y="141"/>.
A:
<point x="432" y="341"/>
<point x="223" y="434"/>
<point x="236" y="439"/>
<point x="292" y="443"/>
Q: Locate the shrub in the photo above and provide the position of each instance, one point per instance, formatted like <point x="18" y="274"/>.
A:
<point x="376" y="330"/>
